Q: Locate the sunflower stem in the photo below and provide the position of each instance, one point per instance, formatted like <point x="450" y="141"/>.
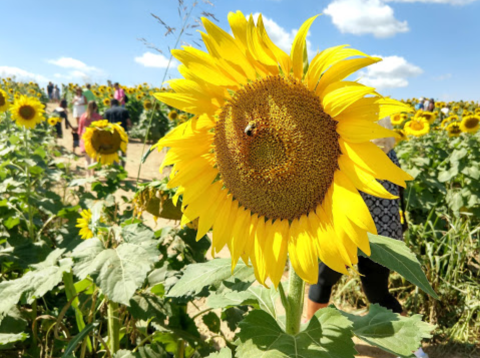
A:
<point x="113" y="327"/>
<point x="27" y="170"/>
<point x="296" y="292"/>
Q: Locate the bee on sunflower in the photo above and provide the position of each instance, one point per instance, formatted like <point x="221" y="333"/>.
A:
<point x="4" y="104"/>
<point x="276" y="152"/>
<point x="27" y="111"/>
<point x="453" y="129"/>
<point x="103" y="141"/>
<point x="470" y="124"/>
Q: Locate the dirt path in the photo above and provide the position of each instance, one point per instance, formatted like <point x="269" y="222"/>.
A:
<point x="149" y="171"/>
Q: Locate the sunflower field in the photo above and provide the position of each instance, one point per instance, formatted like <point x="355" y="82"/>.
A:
<point x="264" y="158"/>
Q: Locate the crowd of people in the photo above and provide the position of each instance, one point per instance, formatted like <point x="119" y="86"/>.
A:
<point x="428" y="105"/>
<point x="85" y="111"/>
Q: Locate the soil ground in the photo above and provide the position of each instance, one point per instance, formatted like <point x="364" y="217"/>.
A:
<point x="150" y="171"/>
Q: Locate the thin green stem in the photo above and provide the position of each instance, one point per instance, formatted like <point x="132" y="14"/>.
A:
<point x="180" y="349"/>
<point x="27" y="170"/>
<point x="113" y="327"/>
<point x="296" y="292"/>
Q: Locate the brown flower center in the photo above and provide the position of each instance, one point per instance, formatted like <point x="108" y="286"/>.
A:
<point x="2" y="100"/>
<point x="276" y="148"/>
<point x="471" y="122"/>
<point x="105" y="142"/>
<point x="27" y="112"/>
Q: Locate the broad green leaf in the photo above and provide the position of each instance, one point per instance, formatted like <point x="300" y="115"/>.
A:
<point x="146" y="305"/>
<point x="6" y="338"/>
<point x="78" y="338"/>
<point x="389" y="331"/>
<point x="118" y="271"/>
<point x="212" y="321"/>
<point x="198" y="276"/>
<point x="34" y="284"/>
<point x="23" y="252"/>
<point x="260" y="336"/>
<point x="258" y="296"/>
<point x="396" y="256"/>
<point x="447" y="175"/>
<point x="224" y="353"/>
<point x="147" y="351"/>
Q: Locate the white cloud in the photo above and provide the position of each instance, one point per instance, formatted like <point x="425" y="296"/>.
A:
<point x="391" y="72"/>
<point x="451" y="2"/>
<point x="71" y="63"/>
<point x="21" y="75"/>
<point x="360" y="17"/>
<point x="157" y="60"/>
<point x="280" y="36"/>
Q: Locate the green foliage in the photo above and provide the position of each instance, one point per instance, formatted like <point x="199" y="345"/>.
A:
<point x="160" y="125"/>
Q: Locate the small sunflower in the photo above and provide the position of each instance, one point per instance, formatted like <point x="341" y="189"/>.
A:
<point x="466" y="113"/>
<point x="106" y="101"/>
<point x="447" y="120"/>
<point x="398" y="119"/>
<point x="417" y="127"/>
<point x="477" y="111"/>
<point x="401" y="135"/>
<point x="147" y="105"/>
<point x="173" y="115"/>
<point x="428" y="116"/>
<point x="470" y="124"/>
<point x="4" y="104"/>
<point x="84" y="224"/>
<point x="53" y="121"/>
<point x="277" y="150"/>
<point x="103" y="141"/>
<point x="454" y="129"/>
<point x="455" y="108"/>
<point x="27" y="111"/>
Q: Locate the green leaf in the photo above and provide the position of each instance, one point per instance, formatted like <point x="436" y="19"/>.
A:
<point x="147" y="351"/>
<point x="260" y="336"/>
<point x="78" y="338"/>
<point x="198" y="276"/>
<point x="258" y="296"/>
<point x="145" y="306"/>
<point x="212" y="321"/>
<point x="224" y="353"/>
<point x="389" y="331"/>
<point x="118" y="271"/>
<point x="6" y="338"/>
<point x="447" y="175"/>
<point x="396" y="256"/>
<point x="34" y="284"/>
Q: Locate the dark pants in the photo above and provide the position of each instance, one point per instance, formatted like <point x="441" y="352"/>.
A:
<point x="374" y="283"/>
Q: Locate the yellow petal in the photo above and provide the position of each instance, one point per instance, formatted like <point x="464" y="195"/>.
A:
<point x="346" y="198"/>
<point x="240" y="234"/>
<point x="341" y="98"/>
<point x="363" y="180"/>
<point x="196" y="208"/>
<point x="206" y="220"/>
<point x="282" y="58"/>
<point x="359" y="131"/>
<point x="260" y="265"/>
<point x="187" y="102"/>
<point x="302" y="251"/>
<point x="372" y="159"/>
<point x="275" y="249"/>
<point x="219" y="238"/>
<point x="238" y="24"/>
<point x="299" y="47"/>
<point x="342" y="70"/>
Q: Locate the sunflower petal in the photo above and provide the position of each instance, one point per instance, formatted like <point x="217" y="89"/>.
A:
<point x="299" y="47"/>
<point x="360" y="131"/>
<point x="336" y="101"/>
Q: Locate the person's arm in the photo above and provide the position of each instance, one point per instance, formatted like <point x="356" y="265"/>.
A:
<point x="67" y="123"/>
<point x="81" y="125"/>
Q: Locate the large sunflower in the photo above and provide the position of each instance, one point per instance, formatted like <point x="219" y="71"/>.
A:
<point x="278" y="149"/>
<point x="103" y="141"/>
<point x="470" y="124"/>
<point x="417" y="127"/>
<point x="27" y="111"/>
<point x="3" y="101"/>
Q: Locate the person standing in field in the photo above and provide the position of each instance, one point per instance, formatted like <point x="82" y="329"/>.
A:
<point x="431" y="105"/>
<point x="87" y="92"/>
<point x="419" y="105"/>
<point x="79" y="104"/>
<point x="118" y="114"/>
<point x="374" y="277"/>
<point x="50" y="90"/>
<point x="91" y="115"/>
<point x="119" y="94"/>
<point x="56" y="93"/>
<point x="61" y="112"/>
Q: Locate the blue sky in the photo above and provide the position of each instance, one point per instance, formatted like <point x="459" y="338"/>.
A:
<point x="430" y="47"/>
